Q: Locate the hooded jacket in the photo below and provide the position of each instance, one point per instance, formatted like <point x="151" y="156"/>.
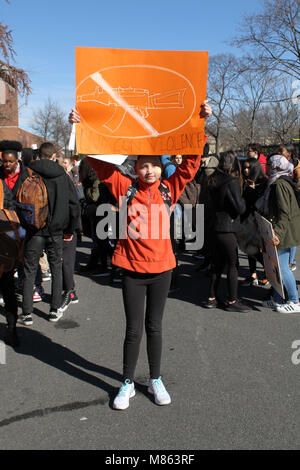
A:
<point x="227" y="202"/>
<point x="146" y="254"/>
<point x="62" y="198"/>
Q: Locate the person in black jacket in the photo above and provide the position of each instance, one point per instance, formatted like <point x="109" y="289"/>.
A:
<point x="225" y="191"/>
<point x="62" y="221"/>
<point x="14" y="172"/>
<point x="7" y="285"/>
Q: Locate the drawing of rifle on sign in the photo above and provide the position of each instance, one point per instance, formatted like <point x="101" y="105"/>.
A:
<point x="136" y="102"/>
<point x="269" y="251"/>
<point x="138" y="99"/>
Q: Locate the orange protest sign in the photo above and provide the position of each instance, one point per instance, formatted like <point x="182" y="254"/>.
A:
<point x="137" y="102"/>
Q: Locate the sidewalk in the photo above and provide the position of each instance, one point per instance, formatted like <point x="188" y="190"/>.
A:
<point x="231" y="378"/>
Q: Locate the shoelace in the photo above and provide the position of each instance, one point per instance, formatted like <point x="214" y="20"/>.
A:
<point x="65" y="301"/>
<point x="124" y="388"/>
<point x="157" y="383"/>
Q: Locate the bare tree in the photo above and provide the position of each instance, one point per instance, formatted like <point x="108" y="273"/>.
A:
<point x="223" y="73"/>
<point x="50" y="122"/>
<point x="252" y="89"/>
<point x="16" y="77"/>
<point x="274" y="36"/>
<point x="281" y="115"/>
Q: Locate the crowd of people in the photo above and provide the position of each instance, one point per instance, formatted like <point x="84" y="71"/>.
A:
<point x="231" y="191"/>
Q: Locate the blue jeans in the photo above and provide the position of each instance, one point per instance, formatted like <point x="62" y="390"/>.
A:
<point x="292" y="254"/>
<point x="288" y="279"/>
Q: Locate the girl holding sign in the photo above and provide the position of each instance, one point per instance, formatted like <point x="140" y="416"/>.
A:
<point x="147" y="261"/>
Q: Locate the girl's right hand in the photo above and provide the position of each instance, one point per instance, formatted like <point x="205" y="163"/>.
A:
<point x="74" y="116"/>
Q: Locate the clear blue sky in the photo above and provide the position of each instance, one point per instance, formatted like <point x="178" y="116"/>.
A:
<point x="46" y="33"/>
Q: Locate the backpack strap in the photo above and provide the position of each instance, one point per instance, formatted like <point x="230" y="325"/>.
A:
<point x="165" y="194"/>
<point x="131" y="191"/>
<point x="1" y="195"/>
<point x="163" y="189"/>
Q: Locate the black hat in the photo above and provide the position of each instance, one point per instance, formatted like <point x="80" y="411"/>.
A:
<point x="12" y="146"/>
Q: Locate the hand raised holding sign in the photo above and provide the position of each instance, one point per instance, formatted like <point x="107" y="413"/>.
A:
<point x="205" y="112"/>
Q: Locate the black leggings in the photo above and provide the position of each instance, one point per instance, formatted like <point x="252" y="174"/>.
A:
<point x="225" y="252"/>
<point x="252" y="262"/>
<point x="136" y="288"/>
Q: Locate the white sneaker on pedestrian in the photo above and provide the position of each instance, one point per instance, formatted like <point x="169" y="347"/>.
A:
<point x="289" y="307"/>
<point x="55" y="314"/>
<point x="127" y="391"/>
<point x="26" y="319"/>
<point x="157" y="388"/>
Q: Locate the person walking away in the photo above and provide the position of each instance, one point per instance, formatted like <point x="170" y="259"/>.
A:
<point x="225" y="192"/>
<point x="63" y="215"/>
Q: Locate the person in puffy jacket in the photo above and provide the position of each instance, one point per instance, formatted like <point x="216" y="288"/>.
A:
<point x="225" y="191"/>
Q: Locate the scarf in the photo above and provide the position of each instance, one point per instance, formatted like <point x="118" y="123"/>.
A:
<point x="11" y="180"/>
<point x="280" y="166"/>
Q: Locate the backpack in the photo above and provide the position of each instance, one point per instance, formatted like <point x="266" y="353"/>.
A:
<point x="32" y="202"/>
<point x="11" y="237"/>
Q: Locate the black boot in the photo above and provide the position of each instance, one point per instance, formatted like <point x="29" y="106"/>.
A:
<point x="11" y="338"/>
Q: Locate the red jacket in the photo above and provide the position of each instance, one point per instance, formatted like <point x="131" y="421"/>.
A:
<point x="146" y="254"/>
<point x="263" y="161"/>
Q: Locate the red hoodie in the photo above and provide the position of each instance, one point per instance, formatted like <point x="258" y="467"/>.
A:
<point x="146" y="255"/>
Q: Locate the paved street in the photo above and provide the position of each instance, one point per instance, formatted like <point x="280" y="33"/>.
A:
<point x="230" y="375"/>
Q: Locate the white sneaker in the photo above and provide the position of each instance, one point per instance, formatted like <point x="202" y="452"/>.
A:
<point x="270" y="304"/>
<point x="54" y="315"/>
<point x="289" y="307"/>
<point x="157" y="388"/>
<point x="127" y="391"/>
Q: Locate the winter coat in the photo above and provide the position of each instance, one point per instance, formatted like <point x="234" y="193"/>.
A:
<point x="190" y="194"/>
<point x="284" y="213"/>
<point x="227" y="202"/>
<point x="297" y="171"/>
<point x="251" y="195"/>
<point x="144" y="254"/>
<point x="21" y="178"/>
<point x="62" y="198"/>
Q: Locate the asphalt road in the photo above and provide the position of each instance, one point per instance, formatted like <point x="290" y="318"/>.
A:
<point x="230" y="375"/>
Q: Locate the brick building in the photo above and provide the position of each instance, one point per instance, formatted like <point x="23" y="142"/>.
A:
<point x="9" y="118"/>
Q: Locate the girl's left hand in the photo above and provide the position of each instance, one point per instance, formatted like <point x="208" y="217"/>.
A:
<point x="205" y="110"/>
